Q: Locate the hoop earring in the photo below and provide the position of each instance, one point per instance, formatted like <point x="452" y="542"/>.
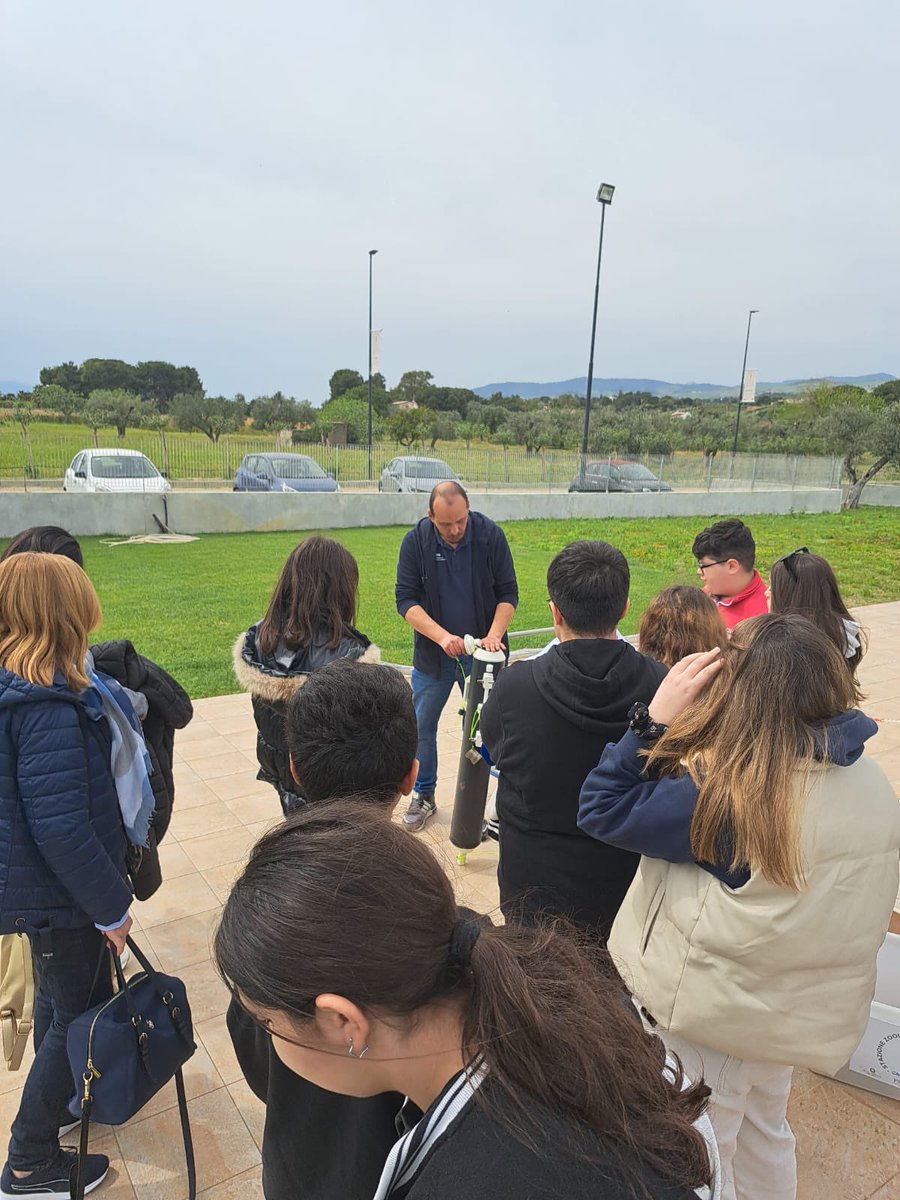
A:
<point x="362" y="1053"/>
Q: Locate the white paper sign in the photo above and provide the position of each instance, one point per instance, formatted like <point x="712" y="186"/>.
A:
<point x="878" y="1054"/>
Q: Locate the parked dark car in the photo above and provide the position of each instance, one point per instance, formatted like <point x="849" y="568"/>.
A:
<point x="617" y="475"/>
<point x="282" y="473"/>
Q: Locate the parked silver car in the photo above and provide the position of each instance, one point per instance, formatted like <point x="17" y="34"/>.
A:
<point x="409" y="473"/>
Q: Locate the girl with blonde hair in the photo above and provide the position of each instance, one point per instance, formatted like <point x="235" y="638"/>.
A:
<point x="749" y="936"/>
<point x="63" y="877"/>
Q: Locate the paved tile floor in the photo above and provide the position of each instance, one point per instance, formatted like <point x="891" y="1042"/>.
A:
<point x="848" y="1140"/>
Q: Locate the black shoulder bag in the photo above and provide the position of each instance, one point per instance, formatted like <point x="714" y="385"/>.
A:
<point x="123" y="1051"/>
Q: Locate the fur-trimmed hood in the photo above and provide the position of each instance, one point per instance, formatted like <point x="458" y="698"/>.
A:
<point x="276" y="680"/>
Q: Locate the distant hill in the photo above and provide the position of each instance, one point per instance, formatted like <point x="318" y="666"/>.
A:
<point x="659" y="387"/>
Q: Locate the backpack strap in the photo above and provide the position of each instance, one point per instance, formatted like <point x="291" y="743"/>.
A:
<point x="17" y="1019"/>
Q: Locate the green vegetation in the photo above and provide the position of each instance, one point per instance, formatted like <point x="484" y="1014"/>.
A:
<point x="184" y="605"/>
<point x="143" y="405"/>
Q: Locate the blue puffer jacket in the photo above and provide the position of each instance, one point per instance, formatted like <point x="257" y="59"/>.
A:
<point x="62" y="845"/>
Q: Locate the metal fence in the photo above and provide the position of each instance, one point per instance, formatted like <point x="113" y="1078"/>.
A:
<point x="40" y="460"/>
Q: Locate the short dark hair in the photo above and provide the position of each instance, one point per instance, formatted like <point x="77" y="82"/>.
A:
<point x="446" y="489"/>
<point x="351" y="729"/>
<point x="45" y="539"/>
<point x="726" y="539"/>
<point x="588" y="582"/>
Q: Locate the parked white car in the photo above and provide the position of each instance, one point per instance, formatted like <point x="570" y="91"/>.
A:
<point x="410" y="473"/>
<point x="114" y="471"/>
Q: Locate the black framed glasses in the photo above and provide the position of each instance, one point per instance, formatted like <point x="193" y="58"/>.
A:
<point x="790" y="560"/>
<point x="701" y="567"/>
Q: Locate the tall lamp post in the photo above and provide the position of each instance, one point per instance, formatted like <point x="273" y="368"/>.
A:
<point x="604" y="198"/>
<point x="372" y="254"/>
<point x="737" y="420"/>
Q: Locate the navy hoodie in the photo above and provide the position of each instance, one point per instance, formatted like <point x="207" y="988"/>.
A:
<point x="620" y="806"/>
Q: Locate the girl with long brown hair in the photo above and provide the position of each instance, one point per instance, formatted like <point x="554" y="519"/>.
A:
<point x="309" y="623"/>
<point x="770" y="870"/>
<point x="802" y="582"/>
<point x="681" y="620"/>
<point x="62" y="844"/>
<point x="343" y="939"/>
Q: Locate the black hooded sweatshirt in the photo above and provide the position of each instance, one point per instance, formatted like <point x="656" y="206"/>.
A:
<point x="545" y="725"/>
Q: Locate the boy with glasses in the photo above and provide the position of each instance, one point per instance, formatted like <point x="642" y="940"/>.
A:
<point x="725" y="554"/>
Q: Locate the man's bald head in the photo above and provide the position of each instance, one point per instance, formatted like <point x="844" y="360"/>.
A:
<point x="448" y="509"/>
<point x="447" y="491"/>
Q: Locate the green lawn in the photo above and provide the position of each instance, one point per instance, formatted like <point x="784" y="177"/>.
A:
<point x="184" y="605"/>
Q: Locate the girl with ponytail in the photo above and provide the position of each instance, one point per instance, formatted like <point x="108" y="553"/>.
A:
<point x="342" y="938"/>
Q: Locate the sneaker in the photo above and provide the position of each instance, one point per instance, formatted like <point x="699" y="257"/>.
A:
<point x="419" y="811"/>
<point x="54" y="1180"/>
<point x="491" y="829"/>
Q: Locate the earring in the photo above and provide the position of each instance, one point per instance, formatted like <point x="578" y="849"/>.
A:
<point x="362" y="1053"/>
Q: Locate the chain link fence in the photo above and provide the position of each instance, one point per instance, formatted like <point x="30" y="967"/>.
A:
<point x="39" y="458"/>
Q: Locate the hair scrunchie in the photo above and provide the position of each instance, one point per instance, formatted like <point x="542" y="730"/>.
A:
<point x="462" y="942"/>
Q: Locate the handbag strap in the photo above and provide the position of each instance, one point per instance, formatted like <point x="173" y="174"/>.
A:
<point x="77" y="1184"/>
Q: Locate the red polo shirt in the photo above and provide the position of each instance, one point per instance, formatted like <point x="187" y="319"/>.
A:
<point x="751" y="602"/>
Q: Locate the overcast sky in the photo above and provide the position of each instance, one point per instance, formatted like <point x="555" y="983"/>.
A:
<point x="201" y="181"/>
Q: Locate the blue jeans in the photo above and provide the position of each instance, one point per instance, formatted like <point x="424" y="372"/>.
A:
<point x="64" y="981"/>
<point x="429" y="697"/>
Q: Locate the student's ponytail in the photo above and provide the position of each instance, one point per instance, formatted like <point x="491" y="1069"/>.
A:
<point x="550" y="1020"/>
<point x="339" y="900"/>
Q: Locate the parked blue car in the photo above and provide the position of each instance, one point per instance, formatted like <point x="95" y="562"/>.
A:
<point x="282" y="473"/>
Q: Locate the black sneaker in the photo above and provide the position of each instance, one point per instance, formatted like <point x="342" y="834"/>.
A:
<point x="56" y="1179"/>
<point x="421" y="808"/>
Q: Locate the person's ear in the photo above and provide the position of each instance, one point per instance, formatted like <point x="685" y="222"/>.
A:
<point x="294" y="774"/>
<point x="341" y="1023"/>
<point x="624" y="610"/>
<point x="408" y="782"/>
<point x="558" y="618"/>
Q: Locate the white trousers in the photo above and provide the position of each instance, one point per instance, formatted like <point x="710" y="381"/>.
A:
<point x="748" y="1110"/>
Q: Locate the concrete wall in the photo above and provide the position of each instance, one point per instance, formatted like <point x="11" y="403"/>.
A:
<point x="882" y="493"/>
<point x="239" y="512"/>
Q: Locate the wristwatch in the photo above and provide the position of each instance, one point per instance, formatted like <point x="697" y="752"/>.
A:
<point x="642" y="724"/>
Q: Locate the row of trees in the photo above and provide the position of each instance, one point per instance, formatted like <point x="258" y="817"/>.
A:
<point x="860" y="426"/>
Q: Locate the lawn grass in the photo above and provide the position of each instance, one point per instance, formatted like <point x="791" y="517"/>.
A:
<point x="184" y="605"/>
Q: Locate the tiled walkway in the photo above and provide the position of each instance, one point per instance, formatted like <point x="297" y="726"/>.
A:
<point x="848" y="1140"/>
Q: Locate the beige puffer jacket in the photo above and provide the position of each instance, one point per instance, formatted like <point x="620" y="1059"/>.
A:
<point x="760" y="972"/>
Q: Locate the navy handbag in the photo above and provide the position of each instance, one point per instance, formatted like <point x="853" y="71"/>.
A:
<point x="124" y="1050"/>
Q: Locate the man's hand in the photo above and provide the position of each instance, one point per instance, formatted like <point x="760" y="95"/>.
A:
<point x="452" y="646"/>
<point x="492" y="641"/>
<point x="116" y="937"/>
<point x="683" y="685"/>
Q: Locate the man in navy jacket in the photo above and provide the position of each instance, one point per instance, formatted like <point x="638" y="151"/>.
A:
<point x="455" y="575"/>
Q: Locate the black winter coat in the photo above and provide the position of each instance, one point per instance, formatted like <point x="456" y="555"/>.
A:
<point x="271" y="680"/>
<point x="478" y="1155"/>
<point x="169" y="708"/>
<point x="545" y="725"/>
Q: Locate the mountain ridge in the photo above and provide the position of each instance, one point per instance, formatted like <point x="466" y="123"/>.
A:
<point x="660" y="387"/>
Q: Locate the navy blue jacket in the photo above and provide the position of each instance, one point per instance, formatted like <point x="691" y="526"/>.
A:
<point x="621" y="806"/>
<point x="62" y="844"/>
<point x="493" y="574"/>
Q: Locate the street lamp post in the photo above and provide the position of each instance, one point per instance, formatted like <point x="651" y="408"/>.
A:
<point x="737" y="421"/>
<point x="604" y="198"/>
<point x="372" y="254"/>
